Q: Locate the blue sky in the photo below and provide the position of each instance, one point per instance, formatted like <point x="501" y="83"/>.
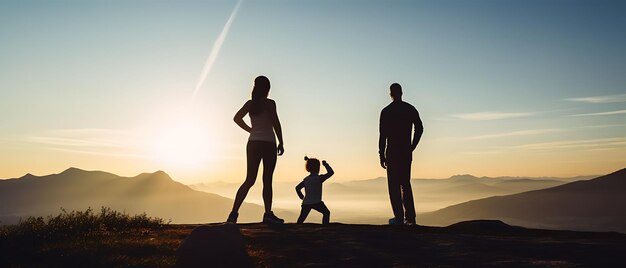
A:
<point x="503" y="87"/>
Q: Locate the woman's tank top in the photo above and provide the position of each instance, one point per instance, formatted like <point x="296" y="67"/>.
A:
<point x="262" y="127"/>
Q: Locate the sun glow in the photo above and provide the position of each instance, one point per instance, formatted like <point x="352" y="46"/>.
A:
<point x="183" y="144"/>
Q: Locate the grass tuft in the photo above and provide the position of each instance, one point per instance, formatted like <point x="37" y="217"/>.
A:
<point x="78" y="223"/>
<point x="107" y="238"/>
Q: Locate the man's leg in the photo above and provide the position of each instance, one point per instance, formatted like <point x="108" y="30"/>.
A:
<point x="407" y="191"/>
<point x="395" y="196"/>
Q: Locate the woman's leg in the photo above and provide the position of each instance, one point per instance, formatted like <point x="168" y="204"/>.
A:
<point x="269" y="164"/>
<point x="253" y="155"/>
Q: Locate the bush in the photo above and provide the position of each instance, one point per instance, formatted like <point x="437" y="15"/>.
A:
<point x="78" y="223"/>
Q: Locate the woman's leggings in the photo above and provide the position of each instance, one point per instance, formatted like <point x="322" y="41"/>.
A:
<point x="255" y="152"/>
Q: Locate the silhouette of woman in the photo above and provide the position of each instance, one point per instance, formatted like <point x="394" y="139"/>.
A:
<point x="261" y="146"/>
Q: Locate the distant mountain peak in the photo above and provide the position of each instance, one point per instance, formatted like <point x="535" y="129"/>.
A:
<point x="28" y="175"/>
<point x="161" y="173"/>
<point x="72" y="170"/>
<point x="463" y="177"/>
<point x="158" y="175"/>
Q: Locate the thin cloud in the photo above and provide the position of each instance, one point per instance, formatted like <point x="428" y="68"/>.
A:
<point x="88" y="152"/>
<point x="73" y="142"/>
<point x="508" y="134"/>
<point x="603" y="149"/>
<point x="83" y="137"/>
<point x="601" y="114"/>
<point x="88" y="132"/>
<point x="604" y="126"/>
<point x="91" y="141"/>
<point x="488" y="116"/>
<point x="601" y="99"/>
<point x="482" y="152"/>
<point x="589" y="145"/>
<point x="573" y="144"/>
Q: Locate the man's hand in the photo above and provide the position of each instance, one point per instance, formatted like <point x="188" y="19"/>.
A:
<point x="383" y="162"/>
<point x="280" y="149"/>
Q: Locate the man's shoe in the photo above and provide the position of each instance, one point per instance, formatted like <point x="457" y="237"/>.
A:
<point x="409" y="222"/>
<point x="232" y="217"/>
<point x="394" y="221"/>
<point x="270" y="218"/>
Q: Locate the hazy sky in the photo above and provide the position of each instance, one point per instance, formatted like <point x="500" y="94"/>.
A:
<point x="526" y="88"/>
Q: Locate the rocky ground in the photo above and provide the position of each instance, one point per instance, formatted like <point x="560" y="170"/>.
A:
<point x="477" y="243"/>
<point x="468" y="244"/>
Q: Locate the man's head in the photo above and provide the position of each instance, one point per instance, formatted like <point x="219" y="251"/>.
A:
<point x="395" y="90"/>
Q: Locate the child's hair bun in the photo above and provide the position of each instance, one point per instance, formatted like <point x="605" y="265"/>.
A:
<point x="306" y="158"/>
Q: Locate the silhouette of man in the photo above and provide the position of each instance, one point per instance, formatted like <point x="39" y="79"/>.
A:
<point x="395" y="148"/>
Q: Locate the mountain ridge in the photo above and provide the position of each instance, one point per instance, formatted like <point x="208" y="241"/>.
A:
<point x="75" y="189"/>
<point x="582" y="205"/>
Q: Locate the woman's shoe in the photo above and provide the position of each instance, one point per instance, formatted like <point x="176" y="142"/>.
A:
<point x="270" y="218"/>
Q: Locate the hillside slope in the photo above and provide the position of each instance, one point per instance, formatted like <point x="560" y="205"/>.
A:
<point x="75" y="189"/>
<point x="593" y="205"/>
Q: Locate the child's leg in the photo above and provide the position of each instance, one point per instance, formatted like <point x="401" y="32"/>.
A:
<point x="304" y="213"/>
<point x="321" y="207"/>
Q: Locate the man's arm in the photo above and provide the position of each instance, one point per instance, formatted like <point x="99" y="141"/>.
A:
<point x="299" y="189"/>
<point x="329" y="171"/>
<point x="382" y="141"/>
<point x="419" y="130"/>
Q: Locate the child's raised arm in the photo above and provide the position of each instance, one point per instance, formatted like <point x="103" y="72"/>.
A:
<point x="299" y="189"/>
<point x="329" y="171"/>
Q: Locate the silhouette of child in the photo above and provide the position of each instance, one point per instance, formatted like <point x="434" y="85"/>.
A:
<point x="312" y="185"/>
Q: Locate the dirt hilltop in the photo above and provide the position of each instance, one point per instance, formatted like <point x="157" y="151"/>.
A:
<point x="473" y="243"/>
<point x="484" y="243"/>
